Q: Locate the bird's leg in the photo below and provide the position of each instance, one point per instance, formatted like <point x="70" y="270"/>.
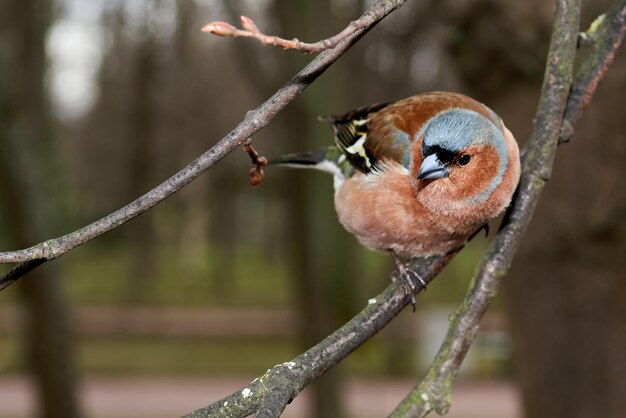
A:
<point x="256" y="172"/>
<point x="408" y="275"/>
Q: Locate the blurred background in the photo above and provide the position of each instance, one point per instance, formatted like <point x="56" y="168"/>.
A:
<point x="102" y="100"/>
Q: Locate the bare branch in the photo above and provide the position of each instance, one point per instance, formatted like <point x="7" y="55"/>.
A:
<point x="607" y="33"/>
<point x="434" y="392"/>
<point x="270" y="393"/>
<point x="250" y="30"/>
<point x="19" y="271"/>
<point x="254" y="121"/>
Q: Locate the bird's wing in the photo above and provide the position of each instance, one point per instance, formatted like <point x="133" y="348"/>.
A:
<point x="386" y="131"/>
<point x="363" y="146"/>
<point x="351" y="134"/>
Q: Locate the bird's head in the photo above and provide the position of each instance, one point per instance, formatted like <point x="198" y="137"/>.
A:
<point x="462" y="156"/>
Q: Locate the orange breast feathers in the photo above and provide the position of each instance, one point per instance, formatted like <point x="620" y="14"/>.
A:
<point x="460" y="169"/>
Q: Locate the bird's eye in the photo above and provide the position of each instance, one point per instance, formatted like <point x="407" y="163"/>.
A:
<point x="464" y="159"/>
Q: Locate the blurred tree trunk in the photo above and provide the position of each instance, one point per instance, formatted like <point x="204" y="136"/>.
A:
<point x="190" y="122"/>
<point x="27" y="175"/>
<point x="141" y="122"/>
<point x="303" y="19"/>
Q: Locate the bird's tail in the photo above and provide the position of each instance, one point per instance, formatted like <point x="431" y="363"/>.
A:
<point x="300" y="159"/>
<point x="329" y="160"/>
<point x="326" y="159"/>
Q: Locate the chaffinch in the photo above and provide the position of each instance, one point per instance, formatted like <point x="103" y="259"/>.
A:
<point x="419" y="176"/>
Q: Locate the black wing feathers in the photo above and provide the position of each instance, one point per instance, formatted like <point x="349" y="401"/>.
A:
<point x="350" y="133"/>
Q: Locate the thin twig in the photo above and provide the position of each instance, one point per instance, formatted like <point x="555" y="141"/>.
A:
<point x="254" y="121"/>
<point x="250" y="30"/>
<point x="256" y="173"/>
<point x="280" y="384"/>
<point x="607" y="33"/>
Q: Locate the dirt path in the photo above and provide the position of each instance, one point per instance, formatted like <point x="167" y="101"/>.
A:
<point x="171" y="397"/>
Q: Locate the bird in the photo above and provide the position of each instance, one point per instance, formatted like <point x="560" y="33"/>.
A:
<point x="419" y="176"/>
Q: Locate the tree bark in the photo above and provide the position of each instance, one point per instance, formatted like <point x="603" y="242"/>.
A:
<point x="27" y="177"/>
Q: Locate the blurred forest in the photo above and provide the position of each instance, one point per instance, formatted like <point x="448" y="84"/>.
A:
<point x="102" y="100"/>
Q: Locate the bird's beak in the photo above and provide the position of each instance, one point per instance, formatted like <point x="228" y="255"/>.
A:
<point x="431" y="169"/>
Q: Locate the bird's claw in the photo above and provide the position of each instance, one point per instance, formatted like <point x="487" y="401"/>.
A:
<point x="409" y="277"/>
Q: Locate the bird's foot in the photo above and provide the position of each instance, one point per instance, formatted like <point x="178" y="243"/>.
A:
<point x="256" y="172"/>
<point x="409" y="278"/>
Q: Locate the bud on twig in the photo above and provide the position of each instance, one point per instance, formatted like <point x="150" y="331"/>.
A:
<point x="248" y="24"/>
<point x="220" y="29"/>
<point x="256" y="176"/>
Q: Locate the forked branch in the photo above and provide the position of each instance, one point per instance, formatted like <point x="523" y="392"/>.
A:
<point x="269" y="394"/>
<point x="254" y="121"/>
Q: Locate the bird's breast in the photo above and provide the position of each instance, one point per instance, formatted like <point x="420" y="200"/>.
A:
<point x="381" y="210"/>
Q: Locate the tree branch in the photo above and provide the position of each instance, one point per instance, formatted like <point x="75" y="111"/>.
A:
<point x="434" y="391"/>
<point x="19" y="271"/>
<point x="254" y="121"/>
<point x="270" y="393"/>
